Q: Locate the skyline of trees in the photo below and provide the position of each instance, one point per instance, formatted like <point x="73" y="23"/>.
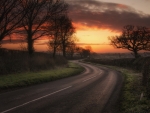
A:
<point x="33" y="19"/>
<point x="37" y="14"/>
<point x="133" y="38"/>
<point x="30" y="19"/>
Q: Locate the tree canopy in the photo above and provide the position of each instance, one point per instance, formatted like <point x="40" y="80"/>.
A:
<point x="37" y="14"/>
<point x="133" y="38"/>
<point x="62" y="34"/>
<point x="10" y="17"/>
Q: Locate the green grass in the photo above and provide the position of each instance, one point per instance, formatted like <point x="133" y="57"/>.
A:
<point x="132" y="89"/>
<point x="131" y="100"/>
<point x="30" y="78"/>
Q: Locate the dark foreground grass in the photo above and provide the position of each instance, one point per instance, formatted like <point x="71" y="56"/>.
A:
<point x="25" y="79"/>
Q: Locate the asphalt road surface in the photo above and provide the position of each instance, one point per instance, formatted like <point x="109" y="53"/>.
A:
<point x="96" y="90"/>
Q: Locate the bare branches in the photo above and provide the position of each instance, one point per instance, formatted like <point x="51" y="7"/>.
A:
<point x="132" y="38"/>
<point x="10" y="17"/>
<point x="38" y="13"/>
<point x="62" y="31"/>
<point x="30" y="19"/>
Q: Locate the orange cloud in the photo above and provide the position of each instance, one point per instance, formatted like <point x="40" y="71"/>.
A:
<point x="83" y="26"/>
<point x="102" y="15"/>
<point x="122" y="6"/>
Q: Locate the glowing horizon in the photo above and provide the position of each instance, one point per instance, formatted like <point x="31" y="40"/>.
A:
<point x="42" y="46"/>
<point x="96" y="20"/>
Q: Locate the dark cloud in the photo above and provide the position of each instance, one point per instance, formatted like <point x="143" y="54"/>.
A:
<point x="104" y="15"/>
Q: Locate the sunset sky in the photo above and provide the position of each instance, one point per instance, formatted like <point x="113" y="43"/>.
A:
<point x="95" y="20"/>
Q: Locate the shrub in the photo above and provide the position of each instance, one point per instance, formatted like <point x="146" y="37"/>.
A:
<point x="12" y="61"/>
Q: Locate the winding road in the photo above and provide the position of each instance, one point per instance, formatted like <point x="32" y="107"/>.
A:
<point x="96" y="90"/>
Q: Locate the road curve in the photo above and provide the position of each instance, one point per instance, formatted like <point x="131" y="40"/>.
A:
<point x="96" y="90"/>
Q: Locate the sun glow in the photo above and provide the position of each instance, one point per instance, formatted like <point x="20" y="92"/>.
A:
<point x="94" y="37"/>
<point x="91" y="36"/>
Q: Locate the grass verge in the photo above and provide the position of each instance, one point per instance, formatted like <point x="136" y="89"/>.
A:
<point x="30" y="78"/>
<point x="132" y="99"/>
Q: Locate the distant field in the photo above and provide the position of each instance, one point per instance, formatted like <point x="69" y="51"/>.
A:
<point x="117" y="55"/>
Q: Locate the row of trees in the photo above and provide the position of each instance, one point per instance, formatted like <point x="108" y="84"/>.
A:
<point x="33" y="19"/>
<point x="72" y="50"/>
<point x="62" y="30"/>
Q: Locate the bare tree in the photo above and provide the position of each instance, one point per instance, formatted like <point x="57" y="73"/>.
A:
<point x="132" y="38"/>
<point x="37" y="14"/>
<point x="79" y="51"/>
<point x="71" y="48"/>
<point x="66" y="32"/>
<point x="62" y="33"/>
<point x="84" y="52"/>
<point x="10" y="17"/>
<point x="54" y="29"/>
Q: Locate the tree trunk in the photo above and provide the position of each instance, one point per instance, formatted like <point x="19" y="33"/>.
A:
<point x="1" y="38"/>
<point x="64" y="51"/>
<point x="72" y="54"/>
<point x="54" y="52"/>
<point x="136" y="55"/>
<point x="30" y="45"/>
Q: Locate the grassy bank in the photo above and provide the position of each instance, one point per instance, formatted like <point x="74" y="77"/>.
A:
<point x="132" y="99"/>
<point x="30" y="78"/>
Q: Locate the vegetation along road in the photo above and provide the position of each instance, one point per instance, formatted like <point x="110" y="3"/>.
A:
<point x="95" y="90"/>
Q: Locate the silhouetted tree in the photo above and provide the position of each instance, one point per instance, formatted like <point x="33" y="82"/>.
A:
<point x="84" y="52"/>
<point x="79" y="50"/>
<point x="71" y="48"/>
<point x="10" y="17"/>
<point x="66" y="32"/>
<point x="62" y="31"/>
<point x="37" y="15"/>
<point x="88" y="48"/>
<point x="54" y="29"/>
<point x="132" y="38"/>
